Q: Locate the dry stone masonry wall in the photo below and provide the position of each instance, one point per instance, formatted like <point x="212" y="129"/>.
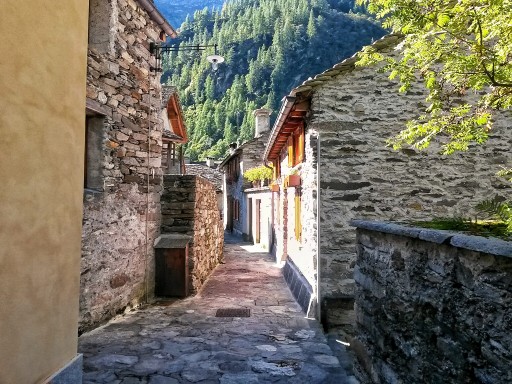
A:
<point x="433" y="307"/>
<point x="121" y="212"/>
<point x="354" y="113"/>
<point x="189" y="207"/>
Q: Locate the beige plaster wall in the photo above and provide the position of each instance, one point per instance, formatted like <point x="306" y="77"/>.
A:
<point x="43" y="71"/>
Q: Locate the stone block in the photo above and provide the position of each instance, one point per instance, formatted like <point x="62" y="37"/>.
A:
<point x="119" y="280"/>
<point x="122" y="137"/>
<point x="139" y="137"/>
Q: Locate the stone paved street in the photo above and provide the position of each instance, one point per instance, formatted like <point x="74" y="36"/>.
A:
<point x="185" y="342"/>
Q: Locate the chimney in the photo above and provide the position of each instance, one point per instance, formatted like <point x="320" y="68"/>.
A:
<point x="232" y="148"/>
<point x="262" y="117"/>
<point x="210" y="162"/>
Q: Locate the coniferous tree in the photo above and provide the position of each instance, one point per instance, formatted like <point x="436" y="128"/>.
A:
<point x="269" y="46"/>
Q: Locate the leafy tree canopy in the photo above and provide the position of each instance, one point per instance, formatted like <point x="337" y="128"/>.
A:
<point x="457" y="47"/>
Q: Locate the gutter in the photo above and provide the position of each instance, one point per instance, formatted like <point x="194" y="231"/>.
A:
<point x="286" y="106"/>
<point x="157" y="17"/>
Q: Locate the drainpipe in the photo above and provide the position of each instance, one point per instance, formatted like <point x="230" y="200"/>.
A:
<point x="318" y="206"/>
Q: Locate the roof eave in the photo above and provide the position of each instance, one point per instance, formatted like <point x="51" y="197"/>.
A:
<point x="157" y="17"/>
<point x="286" y="107"/>
<point x="229" y="157"/>
<point x="175" y="114"/>
<point x="309" y="86"/>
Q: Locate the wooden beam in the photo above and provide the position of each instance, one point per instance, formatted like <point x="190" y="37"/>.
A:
<point x="303" y="106"/>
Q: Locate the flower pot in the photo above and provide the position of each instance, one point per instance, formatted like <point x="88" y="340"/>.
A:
<point x="293" y="180"/>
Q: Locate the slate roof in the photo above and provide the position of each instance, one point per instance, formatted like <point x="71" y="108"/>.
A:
<point x="308" y="87"/>
<point x="210" y="174"/>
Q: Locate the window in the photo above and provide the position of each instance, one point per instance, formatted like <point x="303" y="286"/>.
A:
<point x="170" y="158"/>
<point x="233" y="170"/>
<point x="236" y="209"/>
<point x="93" y="156"/>
<point x="298" y="223"/>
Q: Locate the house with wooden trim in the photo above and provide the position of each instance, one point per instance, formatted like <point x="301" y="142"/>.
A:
<point x="332" y="165"/>
<point x="174" y="133"/>
<point x="239" y="214"/>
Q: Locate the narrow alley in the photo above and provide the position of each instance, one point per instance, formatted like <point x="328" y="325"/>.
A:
<point x="186" y="342"/>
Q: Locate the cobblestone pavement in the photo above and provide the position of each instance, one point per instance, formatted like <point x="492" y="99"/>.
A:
<point x="184" y="342"/>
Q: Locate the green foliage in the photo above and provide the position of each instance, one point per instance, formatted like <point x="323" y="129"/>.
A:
<point x="270" y="46"/>
<point x="472" y="227"/>
<point x="457" y="48"/>
<point x="259" y="173"/>
<point x="499" y="209"/>
<point x="506" y="173"/>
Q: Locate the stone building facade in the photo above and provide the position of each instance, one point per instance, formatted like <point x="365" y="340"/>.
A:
<point x="189" y="208"/>
<point x="246" y="156"/>
<point x="122" y="178"/>
<point x="347" y="172"/>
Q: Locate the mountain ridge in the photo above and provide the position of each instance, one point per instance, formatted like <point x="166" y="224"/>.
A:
<point x="176" y="11"/>
<point x="270" y="47"/>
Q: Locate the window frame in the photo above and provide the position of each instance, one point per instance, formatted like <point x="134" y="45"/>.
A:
<point x="93" y="151"/>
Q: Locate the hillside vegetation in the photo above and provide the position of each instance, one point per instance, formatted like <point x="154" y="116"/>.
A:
<point x="175" y="11"/>
<point x="270" y="46"/>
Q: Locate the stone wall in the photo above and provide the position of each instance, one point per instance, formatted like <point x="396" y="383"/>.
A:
<point x="121" y="213"/>
<point x="189" y="207"/>
<point x="433" y="306"/>
<point x="353" y="114"/>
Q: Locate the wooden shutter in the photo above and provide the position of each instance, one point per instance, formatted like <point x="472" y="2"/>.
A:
<point x="300" y="146"/>
<point x="298" y="223"/>
<point x="290" y="151"/>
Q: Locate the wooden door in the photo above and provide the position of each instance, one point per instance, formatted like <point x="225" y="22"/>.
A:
<point x="171" y="272"/>
<point x="258" y="219"/>
<point x="250" y="220"/>
<point x="229" y="213"/>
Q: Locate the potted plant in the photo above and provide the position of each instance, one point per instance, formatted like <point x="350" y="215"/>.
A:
<point x="259" y="175"/>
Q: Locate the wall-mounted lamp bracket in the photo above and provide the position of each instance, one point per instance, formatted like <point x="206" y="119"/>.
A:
<point x="156" y="50"/>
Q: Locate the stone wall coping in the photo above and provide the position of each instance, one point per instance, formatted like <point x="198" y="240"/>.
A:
<point x="172" y="240"/>
<point x="492" y="246"/>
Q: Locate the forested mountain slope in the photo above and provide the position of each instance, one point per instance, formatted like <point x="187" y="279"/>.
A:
<point x="270" y="47"/>
<point x="175" y="11"/>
